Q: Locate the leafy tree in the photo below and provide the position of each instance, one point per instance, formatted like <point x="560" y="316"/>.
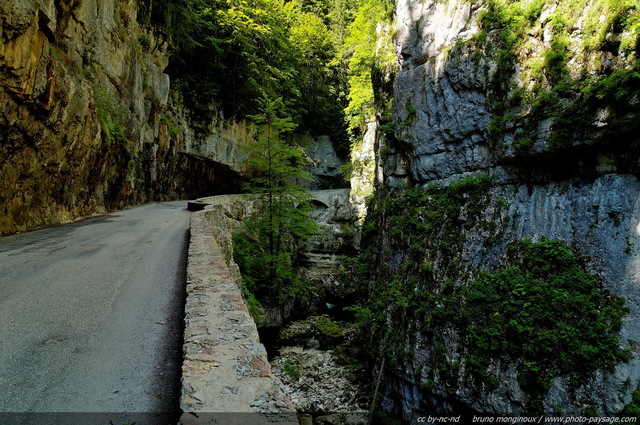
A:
<point x="366" y="52"/>
<point x="319" y="76"/>
<point x="180" y="19"/>
<point x="266" y="249"/>
<point x="232" y="53"/>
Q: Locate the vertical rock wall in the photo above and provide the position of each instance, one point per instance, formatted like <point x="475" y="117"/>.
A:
<point x="585" y="193"/>
<point x="87" y="123"/>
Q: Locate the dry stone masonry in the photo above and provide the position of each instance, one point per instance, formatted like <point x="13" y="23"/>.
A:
<point x="225" y="368"/>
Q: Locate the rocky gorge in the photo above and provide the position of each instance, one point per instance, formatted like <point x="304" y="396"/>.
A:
<point x="301" y="337"/>
<point x="91" y="122"/>
<point x="497" y="270"/>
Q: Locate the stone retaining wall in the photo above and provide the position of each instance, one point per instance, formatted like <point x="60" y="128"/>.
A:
<point x="225" y="369"/>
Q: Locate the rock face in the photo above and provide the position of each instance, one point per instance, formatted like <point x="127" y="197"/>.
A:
<point x="454" y="114"/>
<point x="324" y="162"/>
<point x="575" y="181"/>
<point x="318" y="385"/>
<point x="89" y="121"/>
<point x="337" y="237"/>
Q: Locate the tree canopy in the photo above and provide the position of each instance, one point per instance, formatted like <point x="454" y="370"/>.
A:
<point x="232" y="53"/>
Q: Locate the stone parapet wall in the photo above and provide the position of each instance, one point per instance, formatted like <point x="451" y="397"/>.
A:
<point x="225" y="369"/>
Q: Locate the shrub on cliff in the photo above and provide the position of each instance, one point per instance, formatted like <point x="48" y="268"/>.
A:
<point x="541" y="312"/>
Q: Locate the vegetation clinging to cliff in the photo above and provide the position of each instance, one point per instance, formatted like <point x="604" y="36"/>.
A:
<point x="179" y="19"/>
<point x="111" y="114"/>
<point x="541" y="312"/>
<point x="424" y="226"/>
<point x="561" y="76"/>
<point x="544" y="313"/>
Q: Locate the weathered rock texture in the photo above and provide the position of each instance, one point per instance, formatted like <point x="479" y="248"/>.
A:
<point x="584" y="192"/>
<point x="324" y="162"/>
<point x="89" y="122"/>
<point x="85" y="115"/>
<point x="446" y="97"/>
<point x="322" y="388"/>
<point x="225" y="366"/>
<point x="337" y="237"/>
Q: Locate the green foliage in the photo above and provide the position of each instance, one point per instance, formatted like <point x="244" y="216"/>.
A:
<point x="328" y="327"/>
<point x="248" y="286"/>
<point x="428" y="219"/>
<point x="615" y="87"/>
<point x="555" y="61"/>
<point x="427" y="226"/>
<point x="346" y="170"/>
<point x="171" y="126"/>
<point x="412" y="112"/>
<point x="234" y="53"/>
<point x="614" y="217"/>
<point x="112" y="115"/>
<point x="318" y="75"/>
<point x="144" y="42"/>
<point x="361" y="47"/>
<point x="632" y="409"/>
<point x="573" y="118"/>
<point x="292" y="370"/>
<point x="266" y="248"/>
<point x="255" y="42"/>
<point x="617" y="16"/>
<point x="591" y="412"/>
<point x="54" y="52"/>
<point x="509" y="20"/>
<point x="543" y="300"/>
<point x="179" y="19"/>
<point x="569" y="99"/>
<point x="523" y="144"/>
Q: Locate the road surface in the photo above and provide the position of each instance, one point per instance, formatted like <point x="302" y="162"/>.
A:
<point x="91" y="313"/>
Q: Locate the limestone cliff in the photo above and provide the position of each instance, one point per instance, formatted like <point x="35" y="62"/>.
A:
<point x="85" y="117"/>
<point x="543" y="97"/>
<point x="89" y="121"/>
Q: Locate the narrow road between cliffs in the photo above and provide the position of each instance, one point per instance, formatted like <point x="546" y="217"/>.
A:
<point x="91" y="313"/>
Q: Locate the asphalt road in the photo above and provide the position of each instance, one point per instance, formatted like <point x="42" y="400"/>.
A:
<point x="91" y="313"/>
